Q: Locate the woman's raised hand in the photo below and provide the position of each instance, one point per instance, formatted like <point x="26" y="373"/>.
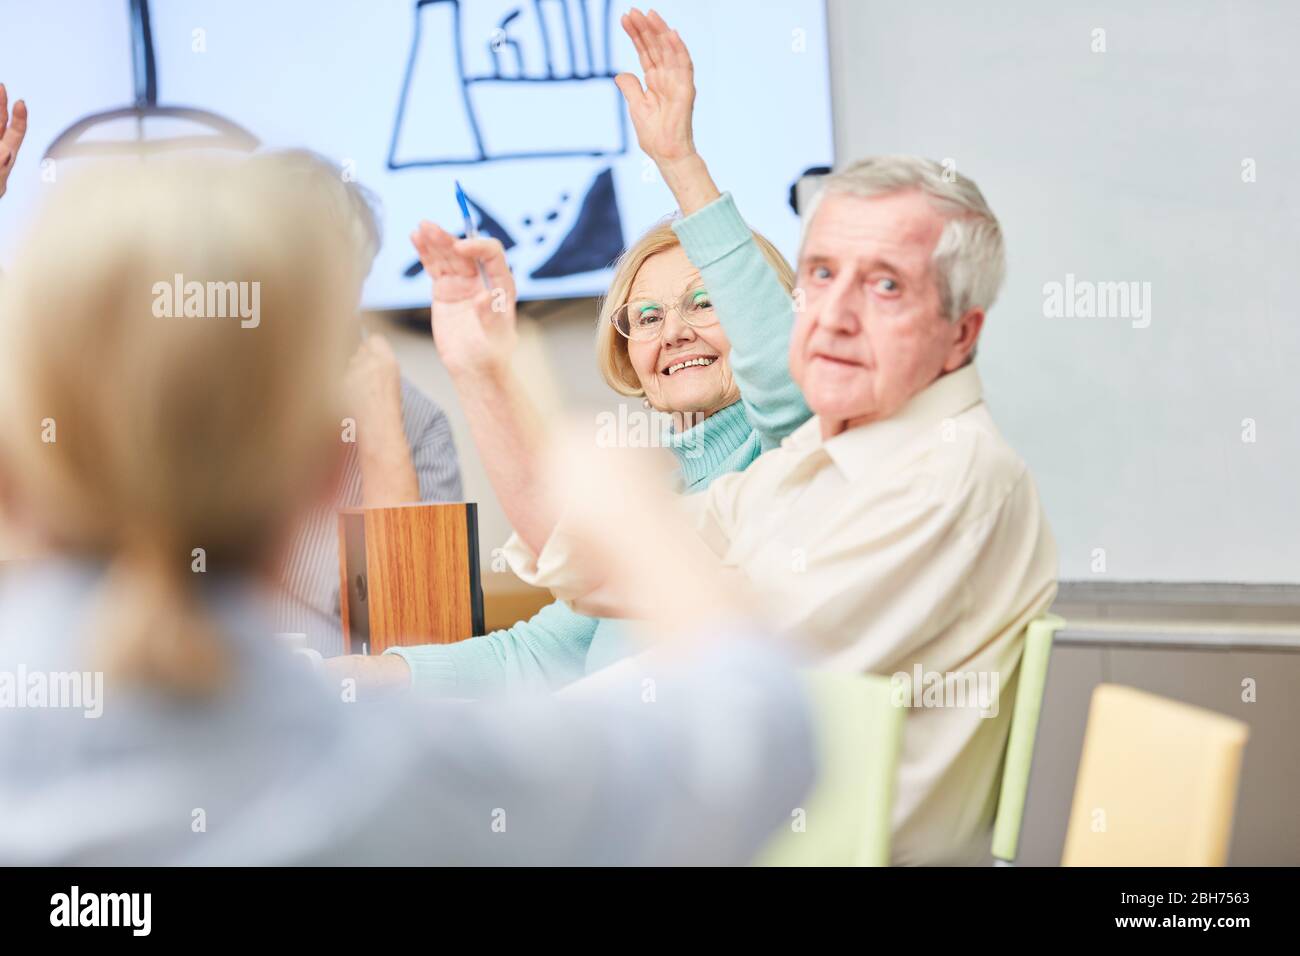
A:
<point x="473" y="327"/>
<point x="662" y="111"/>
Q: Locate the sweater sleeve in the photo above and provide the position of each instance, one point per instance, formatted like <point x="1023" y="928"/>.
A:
<point x="546" y="652"/>
<point x="756" y="313"/>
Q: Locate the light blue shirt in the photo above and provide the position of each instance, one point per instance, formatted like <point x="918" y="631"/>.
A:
<point x="277" y="770"/>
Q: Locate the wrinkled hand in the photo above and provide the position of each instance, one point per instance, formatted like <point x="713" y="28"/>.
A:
<point x="661" y="113"/>
<point x="373" y="384"/>
<point x="474" y="328"/>
<point x="12" y="130"/>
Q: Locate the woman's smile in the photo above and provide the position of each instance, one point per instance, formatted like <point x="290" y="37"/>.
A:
<point x="688" y="363"/>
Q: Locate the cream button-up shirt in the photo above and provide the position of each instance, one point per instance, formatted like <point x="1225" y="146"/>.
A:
<point x="914" y="547"/>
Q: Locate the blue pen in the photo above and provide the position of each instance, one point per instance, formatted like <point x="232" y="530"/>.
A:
<point x="470" y="231"/>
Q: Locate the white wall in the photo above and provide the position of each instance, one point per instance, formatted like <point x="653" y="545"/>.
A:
<point x="1122" y="165"/>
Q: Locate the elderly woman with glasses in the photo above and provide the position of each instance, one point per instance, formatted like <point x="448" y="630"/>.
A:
<point x="697" y="321"/>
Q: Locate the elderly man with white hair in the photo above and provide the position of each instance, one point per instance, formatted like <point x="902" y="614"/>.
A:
<point x="896" y="532"/>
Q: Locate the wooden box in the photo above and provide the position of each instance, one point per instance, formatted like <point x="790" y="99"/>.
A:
<point x="409" y="575"/>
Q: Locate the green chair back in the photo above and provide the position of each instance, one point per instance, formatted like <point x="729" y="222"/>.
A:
<point x="1024" y="730"/>
<point x="845" y="820"/>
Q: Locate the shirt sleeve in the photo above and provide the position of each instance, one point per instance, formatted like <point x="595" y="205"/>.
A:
<point x="546" y="652"/>
<point x="756" y="312"/>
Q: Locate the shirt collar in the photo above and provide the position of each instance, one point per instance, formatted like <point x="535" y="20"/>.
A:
<point x="856" y="450"/>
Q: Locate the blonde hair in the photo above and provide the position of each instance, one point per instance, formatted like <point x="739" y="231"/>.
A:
<point x="611" y="347"/>
<point x="135" y="438"/>
<point x="356" y="209"/>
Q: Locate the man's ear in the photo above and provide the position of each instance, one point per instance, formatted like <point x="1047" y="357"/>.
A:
<point x="966" y="332"/>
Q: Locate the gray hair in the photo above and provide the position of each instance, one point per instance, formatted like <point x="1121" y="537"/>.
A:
<point x="969" y="258"/>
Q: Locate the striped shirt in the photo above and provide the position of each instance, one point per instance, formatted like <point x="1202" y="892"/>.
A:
<point x="308" y="603"/>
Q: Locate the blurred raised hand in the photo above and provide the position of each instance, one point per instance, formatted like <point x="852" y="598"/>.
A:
<point x="13" y="127"/>
<point x="374" y="382"/>
<point x="475" y="331"/>
<point x="474" y="328"/>
<point x="373" y="387"/>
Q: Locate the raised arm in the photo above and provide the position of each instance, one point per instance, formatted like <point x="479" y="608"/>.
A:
<point x="373" y="386"/>
<point x="12" y="130"/>
<point x="661" y="113"/>
<point x="753" y="305"/>
<point x="474" y="330"/>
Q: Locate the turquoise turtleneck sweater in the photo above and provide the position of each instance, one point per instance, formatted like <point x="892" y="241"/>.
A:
<point x="557" y="646"/>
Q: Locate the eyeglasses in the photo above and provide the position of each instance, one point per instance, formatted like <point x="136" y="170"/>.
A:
<point x="643" y="319"/>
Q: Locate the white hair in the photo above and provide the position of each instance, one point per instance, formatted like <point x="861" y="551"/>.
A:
<point x="969" y="259"/>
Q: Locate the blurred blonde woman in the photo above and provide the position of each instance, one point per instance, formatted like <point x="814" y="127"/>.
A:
<point x="159" y="451"/>
<point x="696" y="323"/>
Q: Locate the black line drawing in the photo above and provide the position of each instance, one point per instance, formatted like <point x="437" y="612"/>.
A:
<point x="501" y="39"/>
<point x="227" y="133"/>
<point x="595" y="239"/>
<point x="593" y="242"/>
<point x="485" y="223"/>
<point x="490" y="103"/>
<point x="451" y="114"/>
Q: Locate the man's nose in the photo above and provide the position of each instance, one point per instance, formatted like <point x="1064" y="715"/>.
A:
<point x="842" y="305"/>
